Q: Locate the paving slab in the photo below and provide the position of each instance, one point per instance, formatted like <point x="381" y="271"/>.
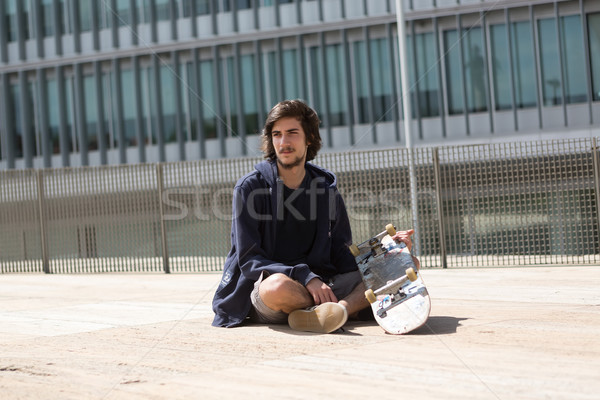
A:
<point x="493" y="333"/>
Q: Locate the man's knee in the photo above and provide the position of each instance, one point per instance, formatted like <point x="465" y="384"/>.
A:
<point x="274" y="285"/>
<point x="280" y="292"/>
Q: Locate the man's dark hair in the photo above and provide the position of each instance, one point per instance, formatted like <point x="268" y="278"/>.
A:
<point x="308" y="119"/>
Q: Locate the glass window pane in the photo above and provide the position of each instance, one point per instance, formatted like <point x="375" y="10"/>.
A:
<point x="65" y="12"/>
<point x="524" y="65"/>
<point x="85" y="15"/>
<point x="46" y="9"/>
<point x="192" y="99"/>
<point x="10" y="20"/>
<point x="382" y="85"/>
<point x="53" y="111"/>
<point x="336" y="85"/>
<point x="108" y="95"/>
<point x="500" y="67"/>
<point x="26" y="19"/>
<point x="91" y="112"/>
<point x="209" y="106"/>
<point x="15" y="99"/>
<point x="129" y="106"/>
<point x="167" y="84"/>
<point x="427" y="66"/>
<point x="453" y="72"/>
<point x="315" y="79"/>
<point x="123" y="12"/>
<point x="202" y="7"/>
<point x="594" y="35"/>
<point x="573" y="59"/>
<point x="249" y="95"/>
<point x="362" y="81"/>
<point x="551" y="79"/>
<point x="270" y="80"/>
<point x="163" y="10"/>
<point x="475" y="69"/>
<point x="70" y="112"/>
<point x="291" y="75"/>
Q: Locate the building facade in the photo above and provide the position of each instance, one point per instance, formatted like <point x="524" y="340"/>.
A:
<point x="87" y="82"/>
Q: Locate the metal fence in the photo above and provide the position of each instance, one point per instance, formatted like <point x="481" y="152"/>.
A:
<point x="522" y="203"/>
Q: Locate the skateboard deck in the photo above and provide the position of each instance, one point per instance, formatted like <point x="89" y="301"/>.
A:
<point x="395" y="288"/>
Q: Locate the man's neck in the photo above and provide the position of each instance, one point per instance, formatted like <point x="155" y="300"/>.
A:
<point x="292" y="177"/>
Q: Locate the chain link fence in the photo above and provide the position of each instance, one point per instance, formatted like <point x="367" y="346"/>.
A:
<point x="523" y="203"/>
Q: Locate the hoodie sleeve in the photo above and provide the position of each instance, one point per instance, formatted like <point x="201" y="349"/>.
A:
<point x="252" y="212"/>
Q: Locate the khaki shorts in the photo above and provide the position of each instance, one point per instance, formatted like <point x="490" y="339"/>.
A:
<point x="342" y="285"/>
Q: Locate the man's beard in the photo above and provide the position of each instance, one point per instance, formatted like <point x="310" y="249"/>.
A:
<point x="297" y="162"/>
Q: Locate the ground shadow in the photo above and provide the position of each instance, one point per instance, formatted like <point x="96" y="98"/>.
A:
<point x="439" y="325"/>
<point x="435" y="325"/>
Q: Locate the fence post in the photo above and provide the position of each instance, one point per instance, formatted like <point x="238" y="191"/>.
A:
<point x="440" y="208"/>
<point x="163" y="233"/>
<point x="43" y="236"/>
<point x="596" y="164"/>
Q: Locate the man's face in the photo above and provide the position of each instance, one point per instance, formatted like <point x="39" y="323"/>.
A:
<point x="289" y="141"/>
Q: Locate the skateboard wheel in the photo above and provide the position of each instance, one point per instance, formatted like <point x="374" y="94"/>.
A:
<point x="410" y="273"/>
<point x="370" y="295"/>
<point x="354" y="250"/>
<point x="391" y="230"/>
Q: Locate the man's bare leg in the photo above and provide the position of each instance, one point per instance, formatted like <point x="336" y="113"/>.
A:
<point x="281" y="293"/>
<point x="355" y="301"/>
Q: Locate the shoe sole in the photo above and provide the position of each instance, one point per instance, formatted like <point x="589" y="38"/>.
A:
<point x="325" y="318"/>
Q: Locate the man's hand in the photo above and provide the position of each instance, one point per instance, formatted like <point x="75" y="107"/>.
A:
<point x="320" y="291"/>
<point x="404" y="236"/>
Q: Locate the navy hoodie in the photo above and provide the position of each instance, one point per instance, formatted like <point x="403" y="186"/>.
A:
<point x="257" y="199"/>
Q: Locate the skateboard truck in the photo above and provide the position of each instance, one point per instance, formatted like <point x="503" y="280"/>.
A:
<point x="375" y="245"/>
<point x="395" y="292"/>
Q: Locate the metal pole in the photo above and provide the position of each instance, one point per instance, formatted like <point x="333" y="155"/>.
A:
<point x="163" y="233"/>
<point x="42" y="214"/>
<point x="438" y="199"/>
<point x="407" y="121"/>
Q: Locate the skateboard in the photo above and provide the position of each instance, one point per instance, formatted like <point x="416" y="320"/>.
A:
<point x="395" y="288"/>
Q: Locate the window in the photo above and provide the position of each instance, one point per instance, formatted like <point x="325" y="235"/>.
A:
<point x="362" y="81"/>
<point x="454" y="79"/>
<point x="474" y="70"/>
<point x="336" y="87"/>
<point x="90" y="114"/>
<point x="53" y="111"/>
<point x="209" y="122"/>
<point x="15" y="98"/>
<point x="573" y="59"/>
<point x="163" y="10"/>
<point x="524" y="65"/>
<point x="381" y="65"/>
<point x="46" y="9"/>
<point x="168" y="80"/>
<point x="574" y="84"/>
<point x="291" y="75"/>
<point x="500" y="67"/>
<point x="251" y="122"/>
<point x="594" y="35"/>
<point x="270" y="79"/>
<point x="426" y="78"/>
<point x="85" y="15"/>
<point x="10" y="15"/>
<point x="315" y="79"/>
<point x="123" y="13"/>
<point x="129" y="107"/>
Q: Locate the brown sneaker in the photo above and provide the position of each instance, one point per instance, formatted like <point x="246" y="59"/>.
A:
<point x="324" y="318"/>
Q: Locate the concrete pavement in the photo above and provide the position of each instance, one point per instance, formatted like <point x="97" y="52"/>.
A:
<point x="511" y="333"/>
